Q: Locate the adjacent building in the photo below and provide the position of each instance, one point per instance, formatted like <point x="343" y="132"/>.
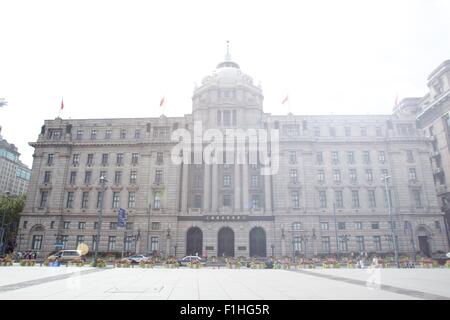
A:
<point x="327" y="195"/>
<point x="14" y="175"/>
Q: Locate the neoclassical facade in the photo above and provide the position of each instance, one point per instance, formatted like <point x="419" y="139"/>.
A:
<point x="327" y="194"/>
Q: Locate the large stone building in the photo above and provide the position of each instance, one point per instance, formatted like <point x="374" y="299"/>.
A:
<point x="14" y="175"/>
<point x="232" y="209"/>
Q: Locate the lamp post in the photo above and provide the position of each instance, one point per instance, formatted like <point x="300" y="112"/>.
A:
<point x="97" y="237"/>
<point x="272" y="246"/>
<point x="149" y="212"/>
<point x="386" y="181"/>
<point x="336" y="231"/>
<point x="413" y="244"/>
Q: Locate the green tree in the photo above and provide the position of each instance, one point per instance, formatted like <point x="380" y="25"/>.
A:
<point x="10" y="208"/>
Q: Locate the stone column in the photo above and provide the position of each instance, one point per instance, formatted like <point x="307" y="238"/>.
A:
<point x="237" y="187"/>
<point x="206" y="186"/>
<point x="245" y="202"/>
<point x="184" y="188"/>
<point x="267" y="193"/>
<point x="215" y="187"/>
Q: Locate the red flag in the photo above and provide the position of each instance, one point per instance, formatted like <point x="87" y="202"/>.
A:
<point x="62" y="104"/>
<point x="285" y="100"/>
<point x="161" y="102"/>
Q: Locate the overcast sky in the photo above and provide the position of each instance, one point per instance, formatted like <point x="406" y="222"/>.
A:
<point x="113" y="59"/>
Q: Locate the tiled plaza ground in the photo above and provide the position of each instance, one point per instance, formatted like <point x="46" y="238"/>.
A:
<point x="192" y="284"/>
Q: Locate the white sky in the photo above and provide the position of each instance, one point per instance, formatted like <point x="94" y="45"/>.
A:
<point x="118" y="58"/>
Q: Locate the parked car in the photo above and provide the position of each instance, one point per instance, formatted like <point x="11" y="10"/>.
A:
<point x="184" y="261"/>
<point x="137" y="258"/>
<point x="65" y="256"/>
<point x="442" y="258"/>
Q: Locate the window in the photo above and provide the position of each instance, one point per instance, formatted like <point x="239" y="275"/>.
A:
<point x="292" y="157"/>
<point x="366" y="157"/>
<point x="409" y="156"/>
<point x="296" y="226"/>
<point x="54" y="134"/>
<point x="292" y="130"/>
<point x="417" y="198"/>
<point x="84" y="200"/>
<point x="297" y="243"/>
<point x="154" y="244"/>
<point x="50" y="159"/>
<point x="339" y="199"/>
<point x="66" y="225"/>
<point x="81" y="225"/>
<point x="324" y="226"/>
<point x="197" y="201"/>
<point x="111" y="243"/>
<point x="294" y="177"/>
<point x="133" y="177"/>
<point x="378" y="131"/>
<point x="95" y="225"/>
<point x="319" y="157"/>
<point x="437" y="225"/>
<point x="335" y="156"/>
<point x="326" y="244"/>
<point x="226" y="180"/>
<point x="25" y="224"/>
<point x="43" y="201"/>
<point x="358" y="225"/>
<point x="103" y="174"/>
<point x="73" y="177"/>
<point x="348" y="131"/>
<point x="360" y="243"/>
<point x="343" y="243"/>
<point x="158" y="176"/>
<point x="75" y="160"/>
<point x="332" y="132"/>
<point x="337" y="176"/>
<point x="377" y="243"/>
<point x="381" y="156"/>
<point x="317" y="131"/>
<point x="90" y="159"/>
<point x="93" y="134"/>
<point x="369" y="175"/>
<point x="255" y="181"/>
<point x="113" y="226"/>
<point x="134" y="158"/>
<point x="131" y="199"/>
<point x="350" y="157"/>
<point x="108" y="134"/>
<point x="123" y="133"/>
<point x="355" y="199"/>
<point x="353" y="177"/>
<point x="37" y="242"/>
<point x="87" y="177"/>
<point x="105" y="159"/>
<point x="227" y="200"/>
<point x="157" y="201"/>
<point x="137" y="134"/>
<point x="372" y="200"/>
<point x="295" y="199"/>
<point x="412" y="174"/>
<point x="323" y="199"/>
<point x="65" y="241"/>
<point x="116" y="199"/>
<point x="52" y="224"/>
<point x="79" y="134"/>
<point x="341" y="225"/>
<point x="129" y="226"/>
<point x="70" y="198"/>
<point x="80" y="240"/>
<point x="321" y="176"/>
<point x="156" y="225"/>
<point x="47" y="176"/>
<point x="119" y="159"/>
<point x="159" y="157"/>
<point x="255" y="201"/>
<point x="375" y="225"/>
<point x="118" y="177"/>
<point x="363" y="131"/>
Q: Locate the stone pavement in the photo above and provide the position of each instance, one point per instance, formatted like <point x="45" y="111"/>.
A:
<point x="226" y="284"/>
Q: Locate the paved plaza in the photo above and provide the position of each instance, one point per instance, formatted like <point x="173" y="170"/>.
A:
<point x="227" y="284"/>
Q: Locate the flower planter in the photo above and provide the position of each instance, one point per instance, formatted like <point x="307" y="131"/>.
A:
<point x="27" y="263"/>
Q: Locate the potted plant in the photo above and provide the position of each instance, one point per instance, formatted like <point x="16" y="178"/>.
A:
<point x="6" y="261"/>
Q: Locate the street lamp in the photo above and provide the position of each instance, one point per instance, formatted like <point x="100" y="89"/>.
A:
<point x="272" y="246"/>
<point x="413" y="244"/>
<point x="97" y="239"/>
<point x="336" y="231"/>
<point x="386" y="181"/>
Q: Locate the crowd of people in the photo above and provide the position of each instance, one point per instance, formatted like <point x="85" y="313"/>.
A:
<point x="27" y="255"/>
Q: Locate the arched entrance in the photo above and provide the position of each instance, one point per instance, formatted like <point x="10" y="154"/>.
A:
<point x="257" y="242"/>
<point x="194" y="241"/>
<point x="424" y="245"/>
<point x="225" y="242"/>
